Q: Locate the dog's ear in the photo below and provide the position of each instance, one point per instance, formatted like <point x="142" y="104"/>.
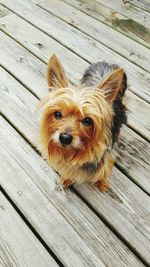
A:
<point x="55" y="73"/>
<point x="112" y="85"/>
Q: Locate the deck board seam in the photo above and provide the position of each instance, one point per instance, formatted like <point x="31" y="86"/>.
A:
<point x="116" y="164"/>
<point x="88" y="61"/>
<point x="17" y="79"/>
<point x="70" y="49"/>
<point x="44" y="61"/>
<point x="89" y="35"/>
<point x="73" y="189"/>
<point x="78" y="194"/>
<point x="100" y="216"/>
<point x="25" y="220"/>
<point x="131" y="178"/>
<point x="142" y="8"/>
<point x="115" y="29"/>
<point x="107" y="224"/>
<point x="21" y="133"/>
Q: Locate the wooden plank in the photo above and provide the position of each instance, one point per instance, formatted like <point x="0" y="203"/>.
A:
<point x="137" y="165"/>
<point x="42" y="45"/>
<point x="19" y="246"/>
<point x="4" y="11"/>
<point x="144" y="4"/>
<point x="138" y="114"/>
<point x="132" y="204"/>
<point x="107" y="15"/>
<point x="19" y="63"/>
<point x="36" y="1"/>
<point x="129" y="9"/>
<point x="25" y="72"/>
<point x="81" y="43"/>
<point x="68" y="226"/>
<point x="116" y="195"/>
<point x="31" y="37"/>
<point x="100" y="32"/>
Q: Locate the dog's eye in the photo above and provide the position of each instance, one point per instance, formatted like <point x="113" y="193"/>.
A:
<point x="57" y="115"/>
<point x="87" y="121"/>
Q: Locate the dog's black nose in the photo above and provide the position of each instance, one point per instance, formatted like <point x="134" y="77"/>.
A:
<point x="65" y="139"/>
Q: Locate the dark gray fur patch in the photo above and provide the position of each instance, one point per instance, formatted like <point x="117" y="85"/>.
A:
<point x="97" y="72"/>
<point x="90" y="168"/>
<point x="92" y="76"/>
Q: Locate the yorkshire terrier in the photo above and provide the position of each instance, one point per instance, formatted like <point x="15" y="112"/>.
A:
<point x="80" y="124"/>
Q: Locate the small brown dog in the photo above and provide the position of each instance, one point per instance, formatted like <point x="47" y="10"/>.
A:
<point x="81" y="123"/>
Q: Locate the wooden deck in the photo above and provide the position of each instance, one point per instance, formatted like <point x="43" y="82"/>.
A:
<point x="40" y="224"/>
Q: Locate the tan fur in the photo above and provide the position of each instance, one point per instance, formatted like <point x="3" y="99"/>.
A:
<point x="55" y="73"/>
<point x="114" y="80"/>
<point x="90" y="143"/>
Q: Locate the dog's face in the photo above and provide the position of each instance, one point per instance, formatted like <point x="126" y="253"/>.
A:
<point x="76" y="121"/>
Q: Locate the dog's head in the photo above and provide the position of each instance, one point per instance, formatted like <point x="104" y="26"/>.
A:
<point x="76" y="121"/>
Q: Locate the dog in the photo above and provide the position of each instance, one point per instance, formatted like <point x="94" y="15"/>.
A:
<point x="80" y="124"/>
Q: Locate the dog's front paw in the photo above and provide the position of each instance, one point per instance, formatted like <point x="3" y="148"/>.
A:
<point x="66" y="183"/>
<point x="102" y="185"/>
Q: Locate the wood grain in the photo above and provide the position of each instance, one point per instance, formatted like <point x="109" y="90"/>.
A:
<point x="4" y="12"/>
<point x="122" y="188"/>
<point x="132" y="156"/>
<point x="116" y="41"/>
<point x="18" y="245"/>
<point x="118" y="21"/>
<point x="81" y="44"/>
<point x="30" y="37"/>
<point x="31" y="78"/>
<point x="131" y="9"/>
<point x="62" y="219"/>
<point x="144" y="4"/>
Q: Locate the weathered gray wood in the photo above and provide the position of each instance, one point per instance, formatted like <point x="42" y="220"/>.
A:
<point x="115" y="199"/>
<point x="67" y="225"/>
<point x="18" y="245"/>
<point x="81" y="43"/>
<point x="144" y="4"/>
<point x="129" y="198"/>
<point x="129" y="9"/>
<point x="138" y="114"/>
<point x="4" y="11"/>
<point x="18" y="105"/>
<point x="30" y="76"/>
<point x="129" y="193"/>
<point x="22" y="64"/>
<point x="42" y="45"/>
<point x="100" y="32"/>
<point x="112" y="18"/>
<point x="36" y="1"/>
<point x="133" y="157"/>
<point x="31" y="37"/>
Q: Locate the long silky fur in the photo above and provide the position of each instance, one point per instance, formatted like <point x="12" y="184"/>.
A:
<point x="91" y="160"/>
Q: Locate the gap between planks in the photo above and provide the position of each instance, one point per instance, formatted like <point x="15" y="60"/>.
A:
<point x="39" y="85"/>
<point x="140" y="4"/>
<point x="18" y="238"/>
<point x="113" y="40"/>
<point x="86" y="226"/>
<point x="115" y="20"/>
<point x="79" y="41"/>
<point x="139" y="122"/>
<point x="126" y="185"/>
